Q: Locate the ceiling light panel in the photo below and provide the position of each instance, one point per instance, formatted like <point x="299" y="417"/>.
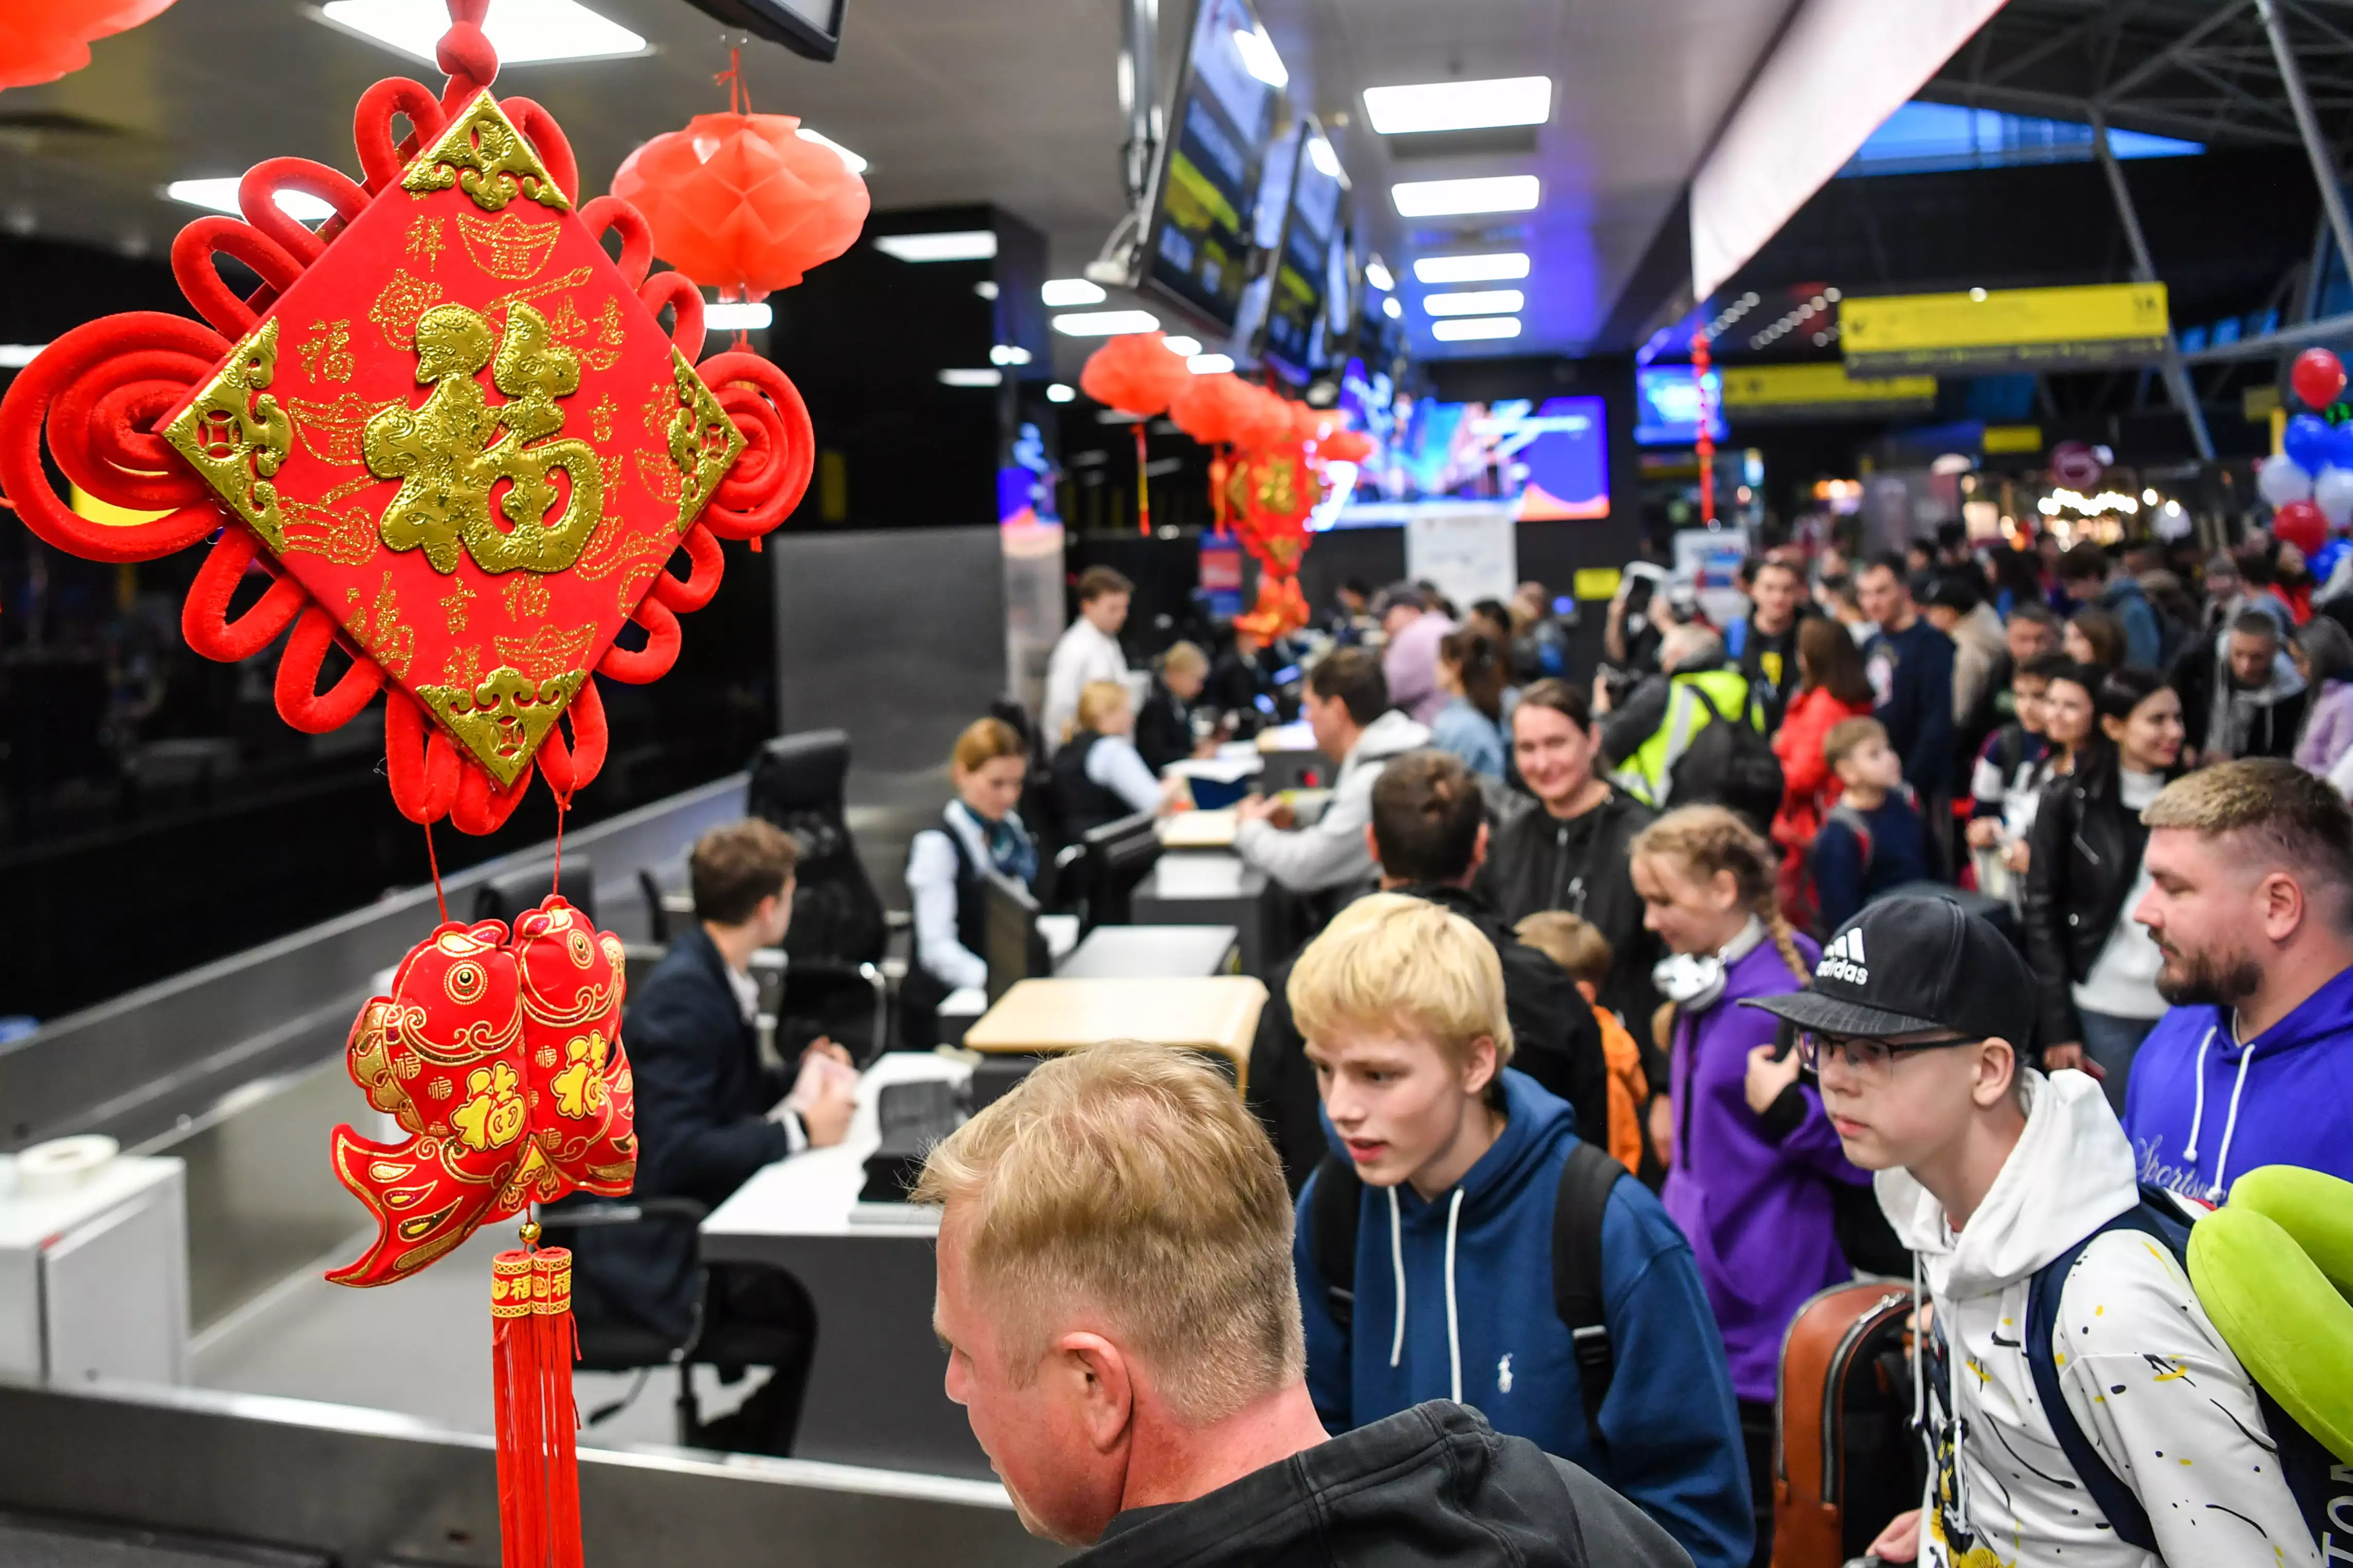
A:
<point x="220" y="196"/>
<point x="1059" y="292"/>
<point x="1209" y="364"/>
<point x="1259" y="58"/>
<point x="524" y="32"/>
<point x="1105" y="324"/>
<point x="1459" y="105"/>
<point x="1496" y="266"/>
<point x="734" y="316"/>
<point x="1377" y="275"/>
<point x="977" y="377"/>
<point x="1452" y="198"/>
<point x="955" y="245"/>
<point x="1471" y="329"/>
<point x="1475" y="302"/>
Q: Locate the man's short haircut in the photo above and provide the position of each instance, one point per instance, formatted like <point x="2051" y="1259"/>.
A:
<point x="1097" y="581"/>
<point x="1848" y="736"/>
<point x="2292" y="817"/>
<point x="2083" y="563"/>
<point x="735" y="867"/>
<point x="1184" y="658"/>
<point x="1886" y="561"/>
<point x="1956" y="591"/>
<point x="1426" y="813"/>
<point x="1570" y="941"/>
<point x="1127" y="1180"/>
<point x="1688" y="647"/>
<point x="1398" y="596"/>
<point x="2046" y="667"/>
<point x="1765" y="563"/>
<point x="2256" y="623"/>
<point x="1388" y="960"/>
<point x="1353" y="676"/>
<point x="2037" y="614"/>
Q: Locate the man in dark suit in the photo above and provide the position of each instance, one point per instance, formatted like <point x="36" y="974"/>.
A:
<point x="708" y="1114"/>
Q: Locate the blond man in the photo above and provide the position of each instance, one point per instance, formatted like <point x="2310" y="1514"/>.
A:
<point x="1117" y="1300"/>
<point x="1428" y="1243"/>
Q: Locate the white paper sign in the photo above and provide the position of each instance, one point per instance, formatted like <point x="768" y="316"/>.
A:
<point x="1470" y="551"/>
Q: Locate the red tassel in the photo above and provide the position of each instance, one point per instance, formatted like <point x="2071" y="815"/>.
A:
<point x="533" y="1350"/>
<point x="1143" y="485"/>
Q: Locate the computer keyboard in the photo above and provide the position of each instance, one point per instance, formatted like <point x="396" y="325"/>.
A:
<point x="914" y="1117"/>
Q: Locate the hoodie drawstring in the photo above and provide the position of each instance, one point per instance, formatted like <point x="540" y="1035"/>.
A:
<point x="1453" y="1332"/>
<point x="2198" y="1114"/>
<point x="1397" y="1254"/>
<point x="2229" y="1126"/>
<point x="1919" y="1358"/>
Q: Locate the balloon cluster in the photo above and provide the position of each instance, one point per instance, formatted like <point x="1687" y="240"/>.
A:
<point x="2310" y="485"/>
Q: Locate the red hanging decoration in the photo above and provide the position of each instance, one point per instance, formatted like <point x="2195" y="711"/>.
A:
<point x="1137" y="375"/>
<point x="744" y="203"/>
<point x="1344" y="447"/>
<point x="41" y="40"/>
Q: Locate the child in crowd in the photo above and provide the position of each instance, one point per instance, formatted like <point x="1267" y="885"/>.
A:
<point x="1578" y="947"/>
<point x="1872" y="840"/>
<point x="2009" y="1187"/>
<point x="2008" y="779"/>
<point x="1454" y="1169"/>
<point x="1753" y="1163"/>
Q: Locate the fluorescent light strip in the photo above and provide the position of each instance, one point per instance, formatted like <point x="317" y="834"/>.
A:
<point x="1209" y="364"/>
<point x="1475" y="302"/>
<point x="955" y="245"/>
<point x="1451" y="198"/>
<point x="1105" y="324"/>
<point x="1459" y="105"/>
<point x="1391" y="308"/>
<point x="1495" y="267"/>
<point x="737" y="316"/>
<point x="524" y="32"/>
<point x="1176" y="344"/>
<point x="1008" y="354"/>
<point x="16" y="356"/>
<point x="1377" y="275"/>
<point x="856" y="164"/>
<point x="1060" y="392"/>
<point x="1475" y="328"/>
<point x="220" y="196"/>
<point x="1320" y="154"/>
<point x="1059" y="292"/>
<point x="972" y="378"/>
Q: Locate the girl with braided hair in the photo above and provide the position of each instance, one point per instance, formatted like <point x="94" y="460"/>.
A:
<point x="1753" y="1163"/>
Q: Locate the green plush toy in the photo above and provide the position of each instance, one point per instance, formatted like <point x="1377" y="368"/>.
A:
<point x="2273" y="1269"/>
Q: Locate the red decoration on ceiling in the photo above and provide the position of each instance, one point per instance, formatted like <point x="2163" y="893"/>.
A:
<point x="1137" y="374"/>
<point x="41" y="40"/>
<point x="1210" y="408"/>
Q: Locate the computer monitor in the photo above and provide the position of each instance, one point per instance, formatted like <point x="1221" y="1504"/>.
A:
<point x="1012" y="940"/>
<point x="811" y="28"/>
<point x="1117" y="856"/>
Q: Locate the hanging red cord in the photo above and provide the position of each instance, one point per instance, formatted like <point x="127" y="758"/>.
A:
<point x="434" y="862"/>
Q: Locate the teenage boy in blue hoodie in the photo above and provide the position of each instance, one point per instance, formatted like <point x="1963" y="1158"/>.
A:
<point x="1457" y="1164"/>
<point x="2251" y="904"/>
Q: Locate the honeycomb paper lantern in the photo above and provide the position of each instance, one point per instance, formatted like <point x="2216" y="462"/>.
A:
<point x="744" y="203"/>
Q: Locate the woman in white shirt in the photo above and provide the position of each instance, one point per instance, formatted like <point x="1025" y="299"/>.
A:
<point x="1098" y="776"/>
<point x="979" y="831"/>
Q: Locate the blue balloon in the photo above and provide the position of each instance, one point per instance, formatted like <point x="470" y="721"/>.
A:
<point x="2340" y="446"/>
<point x="2310" y="442"/>
<point x="2323" y="561"/>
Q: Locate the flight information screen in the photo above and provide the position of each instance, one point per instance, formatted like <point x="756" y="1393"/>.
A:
<point x="1200" y="243"/>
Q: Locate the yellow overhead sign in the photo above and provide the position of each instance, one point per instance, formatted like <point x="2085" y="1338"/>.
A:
<point x="2004" y="328"/>
<point x="2004" y="438"/>
<point x="1820" y="392"/>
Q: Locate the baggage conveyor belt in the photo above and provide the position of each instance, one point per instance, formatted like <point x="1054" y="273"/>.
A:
<point x="27" y="1542"/>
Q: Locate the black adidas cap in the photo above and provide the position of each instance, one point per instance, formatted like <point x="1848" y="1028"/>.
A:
<point x="1910" y="964"/>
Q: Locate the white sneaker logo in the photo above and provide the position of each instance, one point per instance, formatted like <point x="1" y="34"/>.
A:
<point x="1843" y="960"/>
<point x="1504" y="1375"/>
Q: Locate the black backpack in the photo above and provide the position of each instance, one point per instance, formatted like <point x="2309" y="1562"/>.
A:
<point x="1730" y="763"/>
<point x="1585" y="1182"/>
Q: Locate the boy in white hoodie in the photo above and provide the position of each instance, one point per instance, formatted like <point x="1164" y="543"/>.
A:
<point x="1990" y="1172"/>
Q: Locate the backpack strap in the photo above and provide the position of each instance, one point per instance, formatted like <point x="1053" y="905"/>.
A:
<point x="1855" y="822"/>
<point x="2156" y="1216"/>
<point x="1587" y="1179"/>
<point x="1332" y="1213"/>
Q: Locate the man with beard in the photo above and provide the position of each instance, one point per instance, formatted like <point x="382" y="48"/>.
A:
<point x="2250" y="905"/>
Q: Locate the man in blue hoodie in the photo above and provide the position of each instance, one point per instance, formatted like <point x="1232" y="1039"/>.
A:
<point x="2251" y="904"/>
<point x="2091" y="578"/>
<point x="1456" y="1165"/>
<point x="1910" y="664"/>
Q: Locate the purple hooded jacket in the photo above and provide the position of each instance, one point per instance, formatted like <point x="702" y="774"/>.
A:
<point x="1756" y="1211"/>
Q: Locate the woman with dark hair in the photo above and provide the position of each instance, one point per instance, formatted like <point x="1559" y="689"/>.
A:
<point x="1831" y="688"/>
<point x="2324" y="654"/>
<point x="2094" y="637"/>
<point x="1471" y="671"/>
<point x="2096" y="966"/>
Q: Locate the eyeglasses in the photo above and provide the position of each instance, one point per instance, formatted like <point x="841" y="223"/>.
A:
<point x="1871" y="1061"/>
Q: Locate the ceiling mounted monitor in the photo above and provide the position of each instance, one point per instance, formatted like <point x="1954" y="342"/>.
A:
<point x="811" y="28"/>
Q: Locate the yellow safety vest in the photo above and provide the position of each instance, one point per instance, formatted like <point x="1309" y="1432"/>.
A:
<point x="1646" y="775"/>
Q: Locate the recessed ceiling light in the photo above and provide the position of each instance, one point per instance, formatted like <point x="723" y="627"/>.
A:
<point x="856" y="164"/>
<point x="522" y="31"/>
<point x="16" y="356"/>
<point x="1377" y="275"/>
<point x="1391" y="308"/>
<point x="1209" y="364"/>
<point x="1008" y="354"/>
<point x="1061" y="292"/>
<point x="1259" y="56"/>
<point x="1105" y="324"/>
<point x="988" y="377"/>
<point x="1459" y="105"/>
<point x="737" y="316"/>
<point x="1060" y="392"/>
<point x="1175" y="344"/>
<point x="955" y="245"/>
<point x="1320" y="154"/>
<point x="1495" y="267"/>
<point x="1474" y="302"/>
<point x="1449" y="198"/>
<point x="1474" y="328"/>
<point x="986" y="287"/>
<point x="220" y="196"/>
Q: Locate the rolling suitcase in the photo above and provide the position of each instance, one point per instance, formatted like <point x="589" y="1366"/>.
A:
<point x="1845" y="1462"/>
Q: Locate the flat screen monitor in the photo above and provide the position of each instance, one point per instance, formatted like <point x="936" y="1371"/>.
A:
<point x="1012" y="934"/>
<point x="1200" y="234"/>
<point x="1118" y="855"/>
<point x="808" y="28"/>
<point x="1314" y="239"/>
<point x="1552" y="459"/>
<point x="1666" y="405"/>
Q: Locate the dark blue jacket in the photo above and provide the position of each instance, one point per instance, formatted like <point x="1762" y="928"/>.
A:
<point x="2143" y="641"/>
<point x="1845" y="878"/>
<point x="701" y="1098"/>
<point x="1912" y="690"/>
<point x="1671" y="1423"/>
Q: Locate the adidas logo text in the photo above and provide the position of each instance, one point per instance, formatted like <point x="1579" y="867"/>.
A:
<point x="1843" y="960"/>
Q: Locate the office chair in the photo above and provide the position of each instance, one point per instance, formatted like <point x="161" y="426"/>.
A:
<point x="516" y="894"/>
<point x="833" y="982"/>
<point x="611" y="1344"/>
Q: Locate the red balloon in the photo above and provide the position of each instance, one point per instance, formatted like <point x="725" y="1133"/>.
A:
<point x="1137" y="374"/>
<point x="1209" y="409"/>
<point x="743" y="202"/>
<point x="2301" y="524"/>
<point x="2317" y="376"/>
<point x="43" y="41"/>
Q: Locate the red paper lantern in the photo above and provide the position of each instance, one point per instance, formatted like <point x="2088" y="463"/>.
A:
<point x="2317" y="376"/>
<point x="2301" y="523"/>
<point x="41" y="40"/>
<point x="1137" y="374"/>
<point x="1211" y="407"/>
<point x="1266" y="420"/>
<point x="744" y="203"/>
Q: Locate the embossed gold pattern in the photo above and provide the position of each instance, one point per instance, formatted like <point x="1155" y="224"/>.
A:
<point x="502" y="720"/>
<point x="425" y="239"/>
<point x="485" y="156"/>
<point x="236" y="436"/>
<point x="327" y="354"/>
<point x="510" y="246"/>
<point x="703" y="442"/>
<point x="399" y="303"/>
